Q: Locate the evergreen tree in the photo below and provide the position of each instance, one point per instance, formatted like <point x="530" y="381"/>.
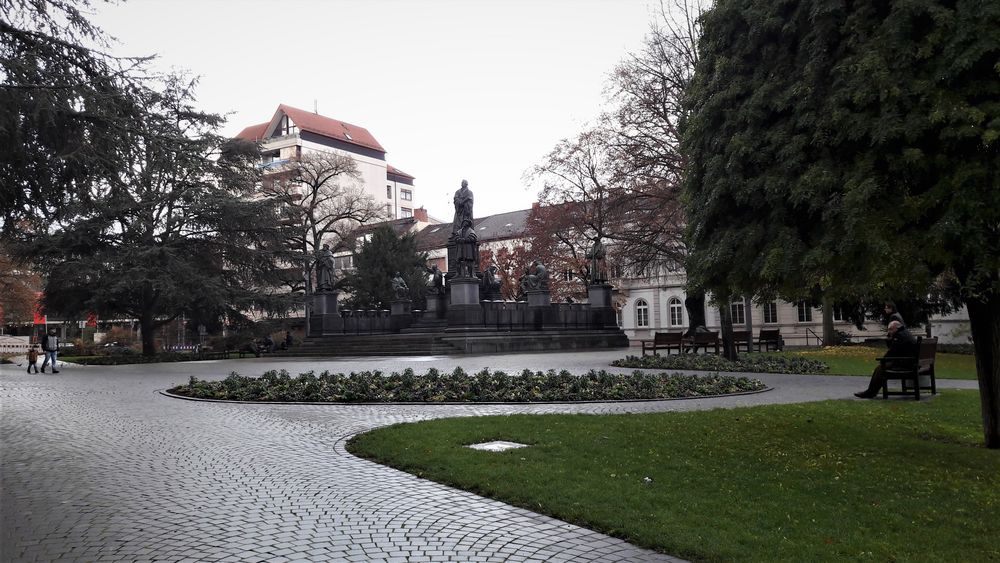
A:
<point x="376" y="263"/>
<point x="67" y="111"/>
<point x="850" y="146"/>
<point x="180" y="228"/>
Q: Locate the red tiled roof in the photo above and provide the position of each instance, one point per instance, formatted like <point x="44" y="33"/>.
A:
<point x="333" y="128"/>
<point x="393" y="170"/>
<point x="253" y="133"/>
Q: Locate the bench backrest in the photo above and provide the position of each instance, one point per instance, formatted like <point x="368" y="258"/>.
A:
<point x="706" y="337"/>
<point x="769" y="334"/>
<point x="926" y="352"/>
<point x="740" y="335"/>
<point x="668" y="337"/>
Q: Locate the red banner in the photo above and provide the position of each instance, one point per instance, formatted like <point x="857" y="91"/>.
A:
<point x="92" y="320"/>
<point x="39" y="311"/>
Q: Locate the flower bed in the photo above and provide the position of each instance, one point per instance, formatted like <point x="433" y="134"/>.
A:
<point x="458" y="386"/>
<point x="750" y="363"/>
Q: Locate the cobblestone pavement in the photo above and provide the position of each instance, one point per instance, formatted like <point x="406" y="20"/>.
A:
<point x="96" y="465"/>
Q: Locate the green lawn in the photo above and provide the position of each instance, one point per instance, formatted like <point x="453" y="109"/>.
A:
<point x="860" y="360"/>
<point x="872" y="480"/>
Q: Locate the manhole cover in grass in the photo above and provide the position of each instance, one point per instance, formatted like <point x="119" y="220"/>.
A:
<point x="497" y="446"/>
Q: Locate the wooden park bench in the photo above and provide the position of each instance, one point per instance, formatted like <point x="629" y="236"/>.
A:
<point x="741" y="339"/>
<point x="699" y="339"/>
<point x="909" y="370"/>
<point x="769" y="337"/>
<point x="663" y="341"/>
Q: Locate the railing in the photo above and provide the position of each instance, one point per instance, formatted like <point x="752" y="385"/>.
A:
<point x="14" y="344"/>
<point x="819" y="339"/>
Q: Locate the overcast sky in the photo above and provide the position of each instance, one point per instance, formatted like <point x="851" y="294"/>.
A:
<point x="452" y="89"/>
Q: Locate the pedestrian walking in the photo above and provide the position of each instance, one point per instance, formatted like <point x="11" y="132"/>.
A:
<point x="33" y="358"/>
<point x="50" y="347"/>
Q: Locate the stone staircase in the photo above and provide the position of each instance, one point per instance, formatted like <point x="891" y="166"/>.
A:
<point x="403" y="344"/>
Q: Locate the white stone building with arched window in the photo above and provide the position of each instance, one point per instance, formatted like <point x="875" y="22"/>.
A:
<point x="653" y="301"/>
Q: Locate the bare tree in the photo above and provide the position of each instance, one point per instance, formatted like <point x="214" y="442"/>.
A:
<point x="323" y="202"/>
<point x="19" y="287"/>
<point x="646" y="92"/>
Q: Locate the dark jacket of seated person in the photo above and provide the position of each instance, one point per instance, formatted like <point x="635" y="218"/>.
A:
<point x="902" y="344"/>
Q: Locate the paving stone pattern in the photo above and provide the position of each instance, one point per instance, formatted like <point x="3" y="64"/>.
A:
<point x="96" y="465"/>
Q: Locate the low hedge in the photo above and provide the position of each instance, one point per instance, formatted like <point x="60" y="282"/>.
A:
<point x="749" y="363"/>
<point x="458" y="386"/>
<point x="123" y="359"/>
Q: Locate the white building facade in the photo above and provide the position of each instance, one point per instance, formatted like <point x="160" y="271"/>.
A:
<point x="292" y="132"/>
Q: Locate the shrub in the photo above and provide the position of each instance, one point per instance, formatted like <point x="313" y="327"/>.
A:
<point x="458" y="386"/>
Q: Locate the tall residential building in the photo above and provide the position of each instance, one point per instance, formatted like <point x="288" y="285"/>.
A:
<point x="292" y="132"/>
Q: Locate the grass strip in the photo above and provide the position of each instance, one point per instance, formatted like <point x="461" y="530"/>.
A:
<point x="873" y="480"/>
<point x="829" y="360"/>
<point x="860" y="360"/>
<point x="750" y="363"/>
<point x="458" y="386"/>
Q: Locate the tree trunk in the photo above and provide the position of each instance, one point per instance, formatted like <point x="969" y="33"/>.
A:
<point x="748" y="311"/>
<point x="726" y="320"/>
<point x="829" y="339"/>
<point x="984" y="316"/>
<point x="148" y="332"/>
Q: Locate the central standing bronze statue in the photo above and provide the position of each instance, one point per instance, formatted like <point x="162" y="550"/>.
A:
<point x="462" y="233"/>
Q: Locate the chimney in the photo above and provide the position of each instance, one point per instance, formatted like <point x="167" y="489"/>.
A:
<point x="420" y="214"/>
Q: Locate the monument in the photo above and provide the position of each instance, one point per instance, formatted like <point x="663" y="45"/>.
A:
<point x="325" y="298"/>
<point x="465" y="311"/>
<point x="463" y="263"/>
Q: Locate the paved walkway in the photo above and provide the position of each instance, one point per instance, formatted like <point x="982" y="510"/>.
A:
<point x="96" y="465"/>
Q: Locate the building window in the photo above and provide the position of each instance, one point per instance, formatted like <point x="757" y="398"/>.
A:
<point x="343" y="262"/>
<point x="676" y="312"/>
<point x="838" y="313"/>
<point x="567" y="275"/>
<point x="388" y="192"/>
<point x="618" y="317"/>
<point x="641" y="313"/>
<point x="388" y="209"/>
<point x="287" y="127"/>
<point x="770" y="313"/>
<point x="738" y="311"/>
<point x="405" y="212"/>
<point x="406" y="195"/>
<point x="805" y="312"/>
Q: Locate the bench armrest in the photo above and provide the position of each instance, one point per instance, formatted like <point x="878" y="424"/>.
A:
<point x="898" y="360"/>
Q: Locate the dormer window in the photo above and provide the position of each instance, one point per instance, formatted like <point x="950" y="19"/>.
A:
<point x="287" y="127"/>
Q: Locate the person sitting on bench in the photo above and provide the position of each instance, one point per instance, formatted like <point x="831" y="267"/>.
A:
<point x="902" y="344"/>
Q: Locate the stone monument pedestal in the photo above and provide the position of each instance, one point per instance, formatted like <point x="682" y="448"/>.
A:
<point x="602" y="314"/>
<point x="325" y="303"/>
<point x="538" y="297"/>
<point x="541" y="313"/>
<point x="325" y="314"/>
<point x="400" y="314"/>
<point x="463" y="306"/>
<point x="400" y="307"/>
<point x="599" y="295"/>
<point x="436" y="305"/>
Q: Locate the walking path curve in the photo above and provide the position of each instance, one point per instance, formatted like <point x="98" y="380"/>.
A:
<point x="96" y="465"/>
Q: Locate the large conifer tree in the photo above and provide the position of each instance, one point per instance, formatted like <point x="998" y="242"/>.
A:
<point x="848" y="144"/>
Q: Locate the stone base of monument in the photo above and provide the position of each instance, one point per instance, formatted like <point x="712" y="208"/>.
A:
<point x="599" y="295"/>
<point x="400" y="314"/>
<point x="538" y="297"/>
<point x="492" y="342"/>
<point x="325" y="316"/>
<point x="325" y="303"/>
<point x="436" y="306"/>
<point x="463" y="291"/>
<point x="462" y="316"/>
